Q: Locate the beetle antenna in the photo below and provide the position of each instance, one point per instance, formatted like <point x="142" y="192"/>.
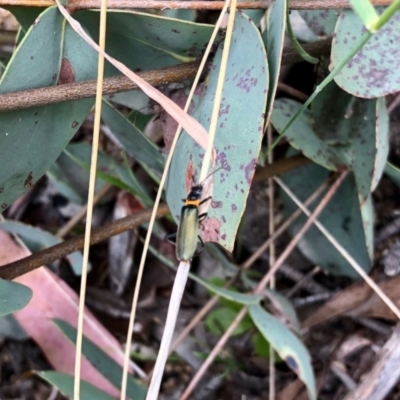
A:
<point x="211" y="173"/>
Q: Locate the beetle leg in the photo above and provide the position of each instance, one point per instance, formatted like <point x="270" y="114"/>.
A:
<point x="171" y="238"/>
<point x="202" y="246"/>
<point x="204" y="200"/>
<point x="202" y="217"/>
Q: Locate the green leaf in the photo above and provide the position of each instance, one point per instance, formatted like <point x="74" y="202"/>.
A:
<point x="393" y="173"/>
<point x="32" y="139"/>
<point x="340" y="119"/>
<point x="273" y="37"/>
<point x="65" y="384"/>
<point x="340" y="131"/>
<point x="14" y="296"/>
<point x="144" y="41"/>
<point x="341" y="216"/>
<point x="135" y="143"/>
<point x="371" y="72"/>
<point x="241" y="298"/>
<point x="255" y="15"/>
<point x="103" y="362"/>
<point x="261" y="345"/>
<point x="133" y="99"/>
<point x="246" y="83"/>
<point x="302" y="53"/>
<point x="75" y="164"/>
<point x="219" y="320"/>
<point x="366" y="11"/>
<point x="301" y="135"/>
<point x="11" y="329"/>
<point x="321" y="22"/>
<point x="186" y="15"/>
<point x="282" y="306"/>
<point x="38" y="239"/>
<point x="287" y="345"/>
<point x="25" y="15"/>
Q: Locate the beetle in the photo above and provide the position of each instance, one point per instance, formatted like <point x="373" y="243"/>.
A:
<point x="187" y="235"/>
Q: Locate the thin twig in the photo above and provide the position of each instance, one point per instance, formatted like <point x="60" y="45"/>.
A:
<point x="188" y="5"/>
<point x="25" y="265"/>
<point x="86" y="89"/>
<point x="292" y="91"/>
<point x="117" y="84"/>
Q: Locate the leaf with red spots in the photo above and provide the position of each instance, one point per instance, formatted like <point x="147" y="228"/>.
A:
<point x="374" y="71"/>
<point x="238" y="137"/>
<point x="289" y="348"/>
<point x="340" y="131"/>
<point x="321" y="22"/>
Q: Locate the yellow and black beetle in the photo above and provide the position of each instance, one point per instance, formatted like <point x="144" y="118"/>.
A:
<point x="187" y="235"/>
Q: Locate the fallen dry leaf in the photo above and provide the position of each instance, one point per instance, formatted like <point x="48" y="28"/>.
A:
<point x="355" y="301"/>
<point x="53" y="298"/>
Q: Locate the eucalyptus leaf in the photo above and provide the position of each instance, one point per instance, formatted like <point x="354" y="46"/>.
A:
<point x="238" y="136"/>
<point x="321" y="22"/>
<point x="145" y="41"/>
<point x="25" y="15"/>
<point x="373" y="71"/>
<point x="240" y="298"/>
<point x="284" y="307"/>
<point x="14" y="296"/>
<point x="287" y="345"/>
<point x="11" y="329"/>
<point x="65" y="384"/>
<point x="133" y="140"/>
<point x="32" y="139"/>
<point x="301" y="29"/>
<point x="393" y="173"/>
<point x="340" y="131"/>
<point x="273" y="37"/>
<point x="300" y="51"/>
<point x="341" y="216"/>
<point x="219" y="320"/>
<point x="186" y="15"/>
<point x="103" y="362"/>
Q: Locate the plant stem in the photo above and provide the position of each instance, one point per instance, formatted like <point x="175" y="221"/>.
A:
<point x="386" y="15"/>
<point x="86" y="89"/>
<point x="20" y="267"/>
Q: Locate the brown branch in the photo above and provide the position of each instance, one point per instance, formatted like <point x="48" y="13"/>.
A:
<point x="188" y="5"/>
<point x="20" y="267"/>
<point x="86" y="89"/>
<point x="81" y="90"/>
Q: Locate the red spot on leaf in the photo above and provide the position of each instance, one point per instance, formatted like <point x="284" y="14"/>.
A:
<point x="67" y="73"/>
